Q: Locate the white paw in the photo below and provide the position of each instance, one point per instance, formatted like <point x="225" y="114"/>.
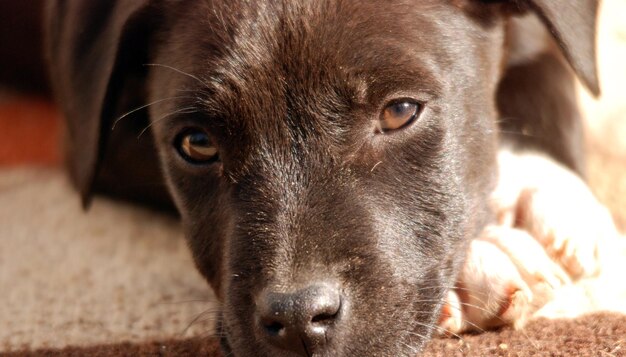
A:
<point x="569" y="223"/>
<point x="551" y="230"/>
<point x="551" y="203"/>
<point x="491" y="289"/>
<point x="451" y="320"/>
<point x="528" y="256"/>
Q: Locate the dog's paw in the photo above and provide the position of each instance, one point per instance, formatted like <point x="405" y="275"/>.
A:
<point x="556" y="207"/>
<point x="569" y="223"/>
<point x="551" y="230"/>
<point x="528" y="256"/>
<point x="451" y="318"/>
<point x="491" y="290"/>
<point x="506" y="278"/>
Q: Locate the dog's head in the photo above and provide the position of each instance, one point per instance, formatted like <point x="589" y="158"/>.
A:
<point x="330" y="159"/>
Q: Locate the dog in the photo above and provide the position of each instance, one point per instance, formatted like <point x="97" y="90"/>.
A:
<point x="344" y="170"/>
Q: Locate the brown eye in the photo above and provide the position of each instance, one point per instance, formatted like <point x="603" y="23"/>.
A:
<point x="398" y="115"/>
<point x="197" y="147"/>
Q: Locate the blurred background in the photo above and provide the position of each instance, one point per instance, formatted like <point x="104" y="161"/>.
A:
<point x="29" y="122"/>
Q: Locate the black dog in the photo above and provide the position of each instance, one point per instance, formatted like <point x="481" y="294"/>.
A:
<point x="330" y="159"/>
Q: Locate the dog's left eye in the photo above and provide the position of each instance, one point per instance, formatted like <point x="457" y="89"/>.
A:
<point x="398" y="115"/>
<point x="196" y="146"/>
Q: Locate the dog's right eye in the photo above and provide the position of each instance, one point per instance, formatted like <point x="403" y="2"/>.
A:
<point x="196" y="146"/>
<point x="398" y="114"/>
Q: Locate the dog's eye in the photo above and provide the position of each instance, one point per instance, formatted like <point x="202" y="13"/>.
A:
<point x="196" y="146"/>
<point x="397" y="115"/>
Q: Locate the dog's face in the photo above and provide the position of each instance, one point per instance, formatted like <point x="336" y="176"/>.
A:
<point x="330" y="159"/>
<point x="326" y="146"/>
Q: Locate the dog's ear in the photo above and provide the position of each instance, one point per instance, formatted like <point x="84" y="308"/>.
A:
<point x="90" y="45"/>
<point x="573" y="26"/>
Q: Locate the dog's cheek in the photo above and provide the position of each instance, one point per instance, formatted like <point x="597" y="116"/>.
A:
<point x="202" y="201"/>
<point x="423" y="249"/>
<point x="207" y="234"/>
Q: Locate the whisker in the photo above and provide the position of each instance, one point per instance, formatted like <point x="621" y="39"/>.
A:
<point x="470" y="305"/>
<point x="411" y="347"/>
<point x="212" y="332"/>
<point x="180" y="71"/>
<point x="469" y="291"/>
<point x="476" y="307"/>
<point x="198" y="319"/>
<point x="437" y="280"/>
<point x="477" y="327"/>
<point x="208" y="316"/>
<point x="439" y="328"/>
<point x="443" y="301"/>
<point x="531" y="340"/>
<point x="415" y="320"/>
<point x="417" y="334"/>
<point x="146" y="106"/>
<point x="445" y="287"/>
<point x="185" y="110"/>
<point x="460" y="303"/>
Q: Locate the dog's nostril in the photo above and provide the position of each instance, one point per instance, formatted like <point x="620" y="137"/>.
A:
<point x="273" y="328"/>
<point x="324" y="318"/>
<point x="325" y="311"/>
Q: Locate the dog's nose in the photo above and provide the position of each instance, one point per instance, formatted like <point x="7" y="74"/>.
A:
<point x="301" y="322"/>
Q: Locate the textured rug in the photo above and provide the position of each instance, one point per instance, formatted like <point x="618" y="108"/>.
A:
<point x="119" y="280"/>
<point x="593" y="335"/>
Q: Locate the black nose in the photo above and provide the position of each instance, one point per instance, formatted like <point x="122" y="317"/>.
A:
<point x="301" y="322"/>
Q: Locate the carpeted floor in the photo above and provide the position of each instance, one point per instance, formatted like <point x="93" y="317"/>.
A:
<point x="119" y="280"/>
<point x="592" y="335"/>
<point x="117" y="273"/>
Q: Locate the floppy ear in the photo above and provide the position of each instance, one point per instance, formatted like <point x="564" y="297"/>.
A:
<point x="87" y="44"/>
<point x="573" y="26"/>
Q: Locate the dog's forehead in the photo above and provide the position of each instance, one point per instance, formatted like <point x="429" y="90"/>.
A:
<point x="344" y="51"/>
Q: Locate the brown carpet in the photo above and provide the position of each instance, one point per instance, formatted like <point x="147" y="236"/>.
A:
<point x="119" y="281"/>
<point x="592" y="335"/>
